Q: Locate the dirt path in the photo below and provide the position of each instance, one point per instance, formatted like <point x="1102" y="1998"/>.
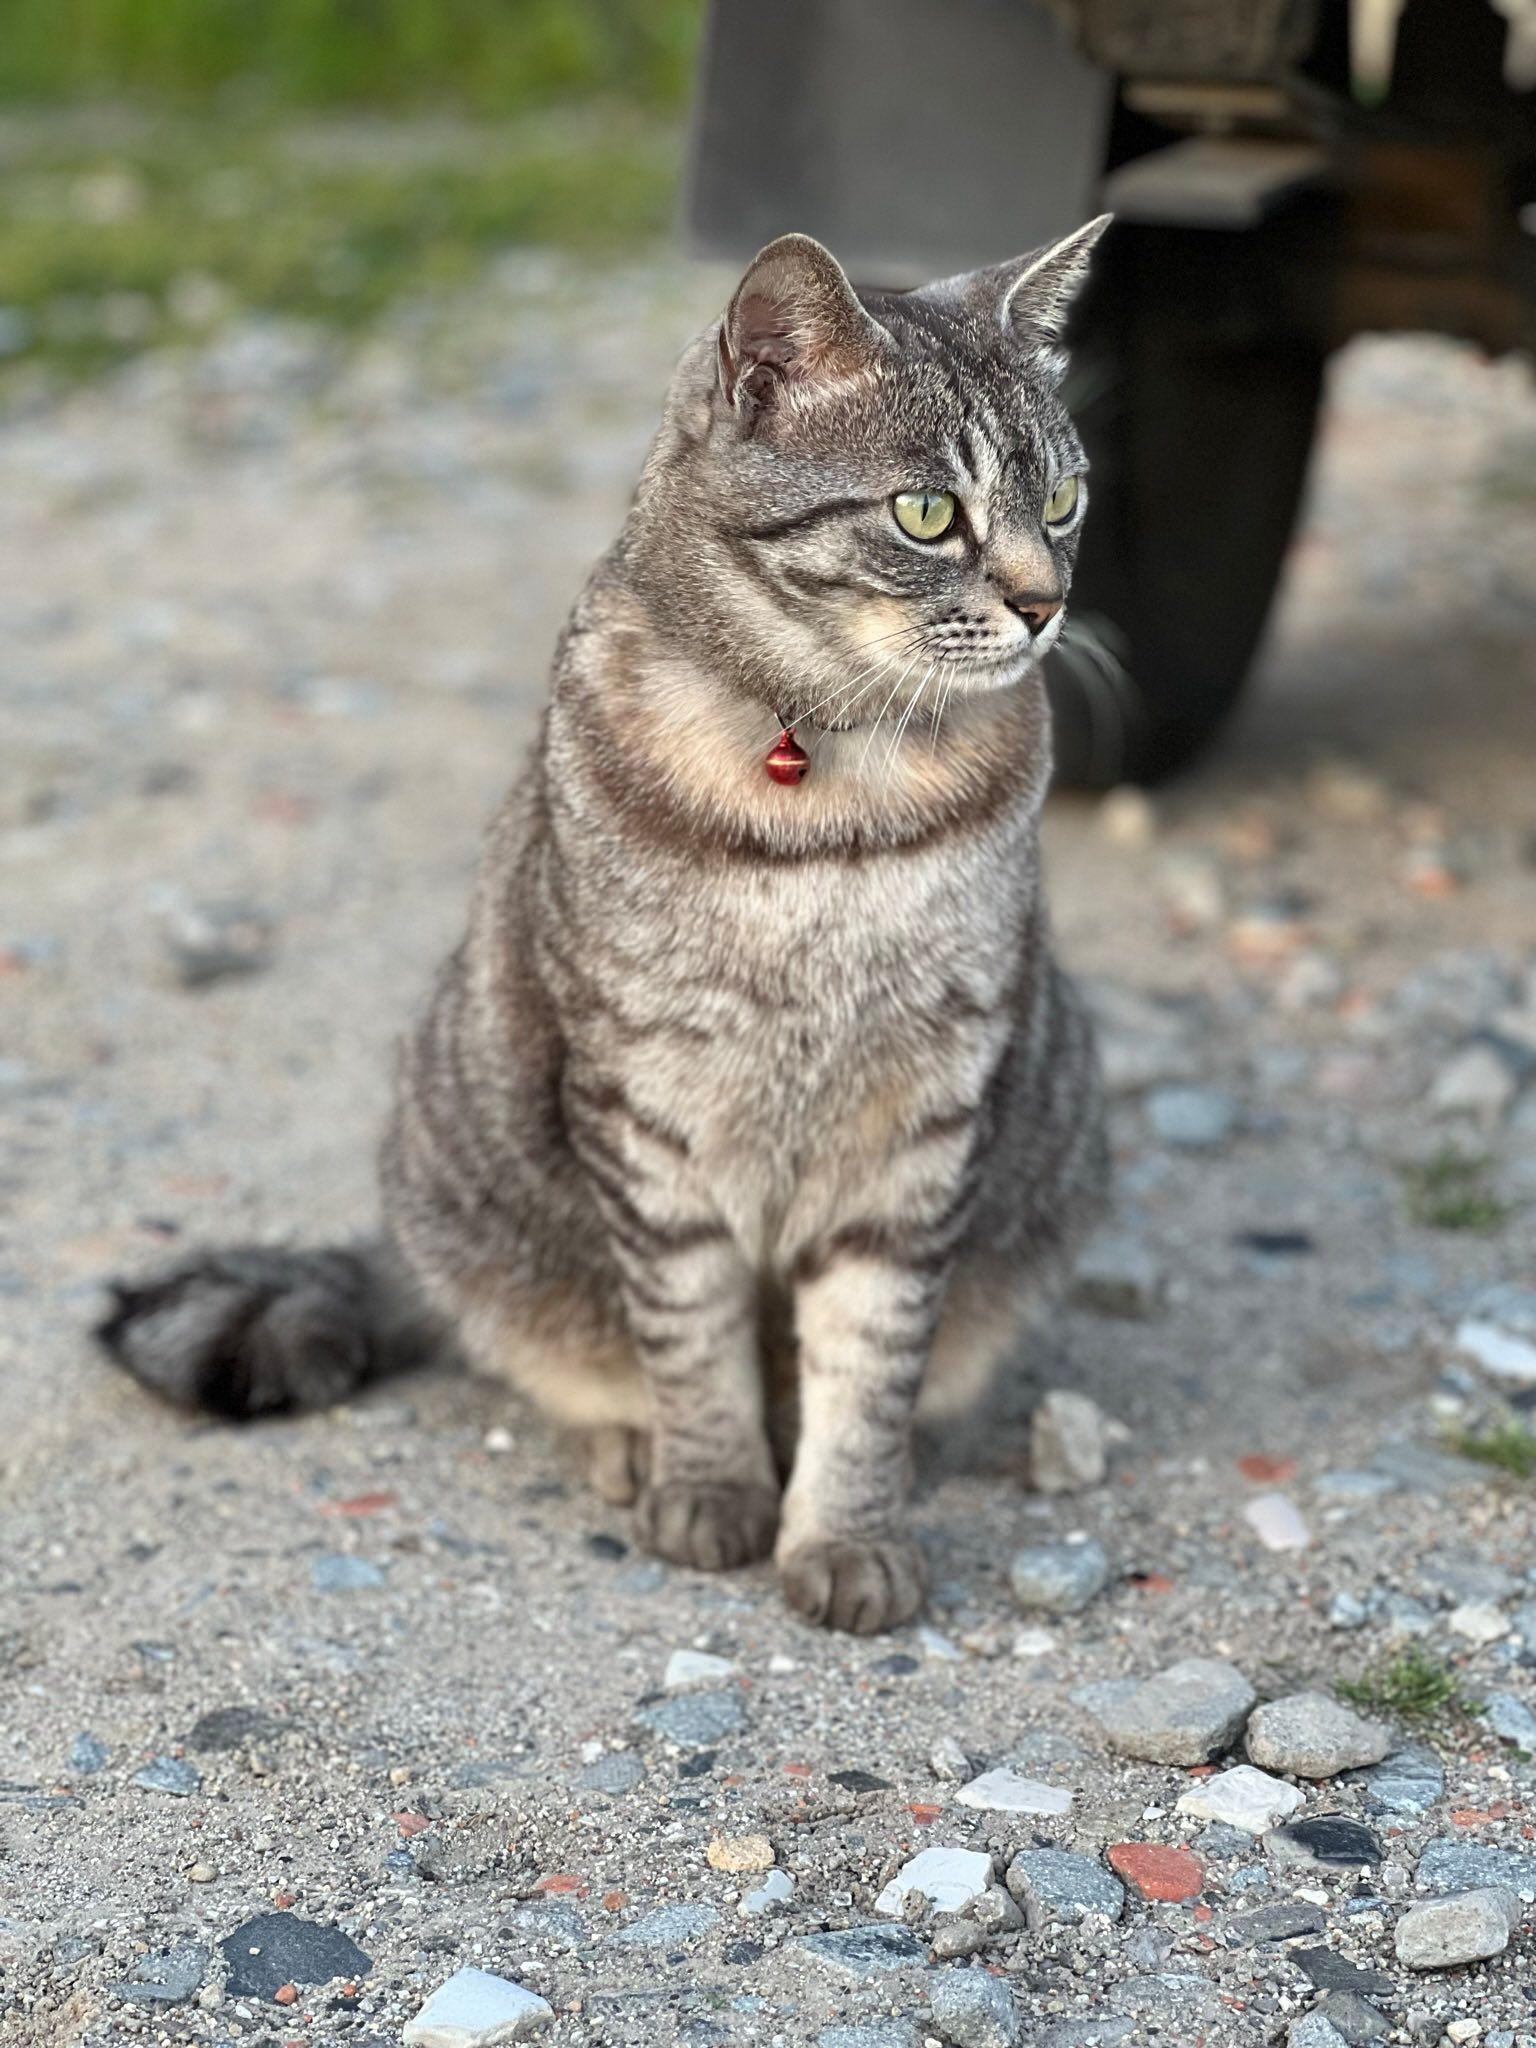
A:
<point x="273" y="627"/>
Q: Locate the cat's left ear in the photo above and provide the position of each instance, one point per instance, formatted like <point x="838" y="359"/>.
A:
<point x="1031" y="296"/>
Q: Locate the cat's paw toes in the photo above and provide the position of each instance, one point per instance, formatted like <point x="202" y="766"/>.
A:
<point x="711" y="1528"/>
<point x="863" y="1586"/>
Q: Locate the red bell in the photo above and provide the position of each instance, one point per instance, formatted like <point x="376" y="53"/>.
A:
<point x="787" y="760"/>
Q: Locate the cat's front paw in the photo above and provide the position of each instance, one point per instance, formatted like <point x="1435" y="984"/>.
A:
<point x="711" y="1528"/>
<point x="862" y="1585"/>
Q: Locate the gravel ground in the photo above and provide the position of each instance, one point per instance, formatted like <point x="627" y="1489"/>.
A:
<point x="273" y="628"/>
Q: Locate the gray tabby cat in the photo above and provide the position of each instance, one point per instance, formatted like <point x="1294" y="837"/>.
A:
<point x="748" y="1113"/>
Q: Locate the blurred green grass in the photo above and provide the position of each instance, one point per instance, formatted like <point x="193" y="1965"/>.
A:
<point x="491" y="57"/>
<point x="165" y="164"/>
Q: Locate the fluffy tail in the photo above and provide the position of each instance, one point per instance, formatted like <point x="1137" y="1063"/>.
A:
<point x="253" y="1331"/>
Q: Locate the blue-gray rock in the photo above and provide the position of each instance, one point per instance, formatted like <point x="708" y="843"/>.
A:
<point x="1330" y="1839"/>
<point x="1195" y="1119"/>
<point x="275" y="1949"/>
<point x="1312" y="1735"/>
<point x="338" y="1572"/>
<point x="1419" y="1469"/>
<point x="169" y="1979"/>
<point x="669" y="1927"/>
<point x="973" y="2010"/>
<point x="1447" y="1865"/>
<point x="1347" y="1611"/>
<point x="1312" y="2030"/>
<point x="1058" y="1578"/>
<point x="696" y="1720"/>
<point x="169" y="1774"/>
<point x="87" y="1755"/>
<point x="1348" y="1485"/>
<point x="1100" y="1695"/>
<point x="618" y="1772"/>
<point x="1511" y="1719"/>
<point x="877" y="2034"/>
<point x="1218" y="1841"/>
<point x="1056" y="1887"/>
<point x="865" y="1951"/>
<point x="1409" y="1781"/>
<point x="1460" y="1579"/>
<point x="1523" y="1620"/>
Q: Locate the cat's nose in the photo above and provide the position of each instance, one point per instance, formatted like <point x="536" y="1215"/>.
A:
<point x="1036" y="608"/>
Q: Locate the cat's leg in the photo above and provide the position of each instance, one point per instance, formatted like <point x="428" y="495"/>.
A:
<point x="866" y="1313"/>
<point x="712" y="1496"/>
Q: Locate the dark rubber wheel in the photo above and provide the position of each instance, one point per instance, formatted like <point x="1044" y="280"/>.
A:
<point x="1195" y="384"/>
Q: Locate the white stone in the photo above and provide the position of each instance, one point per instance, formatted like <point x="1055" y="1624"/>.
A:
<point x="947" y="1878"/>
<point x="947" y="1760"/>
<point x="1499" y="1352"/>
<point x="1478" y="1623"/>
<point x="1033" y="1642"/>
<point x="695" y="1667"/>
<point x="1067" y="1443"/>
<point x="1243" y="1798"/>
<point x="1476" y="1081"/>
<point x="776" y="1889"/>
<point x="476" y="2010"/>
<point x="1277" y="1522"/>
<point x="1006" y="1792"/>
<point x="1464" y="2030"/>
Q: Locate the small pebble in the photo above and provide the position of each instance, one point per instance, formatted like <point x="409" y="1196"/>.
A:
<point x="1060" y="1887"/>
<point x="738" y="1853"/>
<point x="1185" y="1715"/>
<point x="776" y="1889"/>
<point x="1193" y="1119"/>
<point x="1067" y="1441"/>
<point x="1005" y="1791"/>
<point x="1059" y="1578"/>
<point x="973" y="2009"/>
<point x="476" y="2010"/>
<point x="1478" y="1623"/>
<point x="947" y="1878"/>
<point x="1242" y="1798"/>
<point x="1277" y="1522"/>
<point x="695" y="1667"/>
<point x="1120" y="1276"/>
<point x="1168" y="1875"/>
<point x="169" y="1774"/>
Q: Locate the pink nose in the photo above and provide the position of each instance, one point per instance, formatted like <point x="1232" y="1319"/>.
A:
<point x="1036" y="608"/>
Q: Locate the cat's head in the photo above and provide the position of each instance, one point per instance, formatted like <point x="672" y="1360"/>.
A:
<point x="862" y="497"/>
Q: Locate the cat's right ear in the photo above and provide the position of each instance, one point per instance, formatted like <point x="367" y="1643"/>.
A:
<point x="793" y="326"/>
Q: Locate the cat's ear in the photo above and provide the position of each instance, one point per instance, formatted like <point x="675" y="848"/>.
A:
<point x="1031" y="296"/>
<point x="793" y="323"/>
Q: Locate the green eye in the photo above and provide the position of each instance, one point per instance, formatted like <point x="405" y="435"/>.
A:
<point x="1062" y="502"/>
<point x="926" y="515"/>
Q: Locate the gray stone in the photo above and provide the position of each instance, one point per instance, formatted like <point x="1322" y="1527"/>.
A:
<point x="1347" y="1611"/>
<point x="275" y="1949"/>
<point x="1220" y="1841"/>
<point x="1313" y="2031"/>
<point x="1058" y="1578"/>
<point x="1511" y="1719"/>
<point x="1120" y="1276"/>
<point x="87" y="1755"/>
<point x="1403" y="1616"/>
<point x="1279" y="1922"/>
<point x="340" y="1572"/>
<point x="1185" y="1715"/>
<point x="169" y="1979"/>
<point x="618" y="1772"/>
<point x="1329" y="1971"/>
<point x="1523" y="1623"/>
<point x="1345" y="1485"/>
<point x="1355" y="2018"/>
<point x="1409" y="1781"/>
<point x="1058" y="1887"/>
<point x="476" y="2010"/>
<point x="1480" y="1080"/>
<point x="973" y="2009"/>
<point x="1447" y="1865"/>
<point x="696" y="1720"/>
<point x="668" y="1927"/>
<point x="1418" y="1469"/>
<point x="1067" y="1440"/>
<point x="1331" y="1841"/>
<point x="209" y="942"/>
<point x="1195" y="1119"/>
<point x="1466" y="1929"/>
<point x="1310" y="1735"/>
<point x="169" y="1774"/>
<point x="865" y="1951"/>
<point x="224" y="1729"/>
<point x="1461" y="1580"/>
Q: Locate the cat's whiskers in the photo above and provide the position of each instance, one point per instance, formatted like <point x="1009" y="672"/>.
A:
<point x="874" y="730"/>
<point x="904" y="721"/>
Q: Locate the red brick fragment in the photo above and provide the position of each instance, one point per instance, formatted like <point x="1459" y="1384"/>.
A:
<point x="1157" y="1873"/>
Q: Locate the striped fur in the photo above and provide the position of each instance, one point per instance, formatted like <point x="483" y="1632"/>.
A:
<point x="746" y="1117"/>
